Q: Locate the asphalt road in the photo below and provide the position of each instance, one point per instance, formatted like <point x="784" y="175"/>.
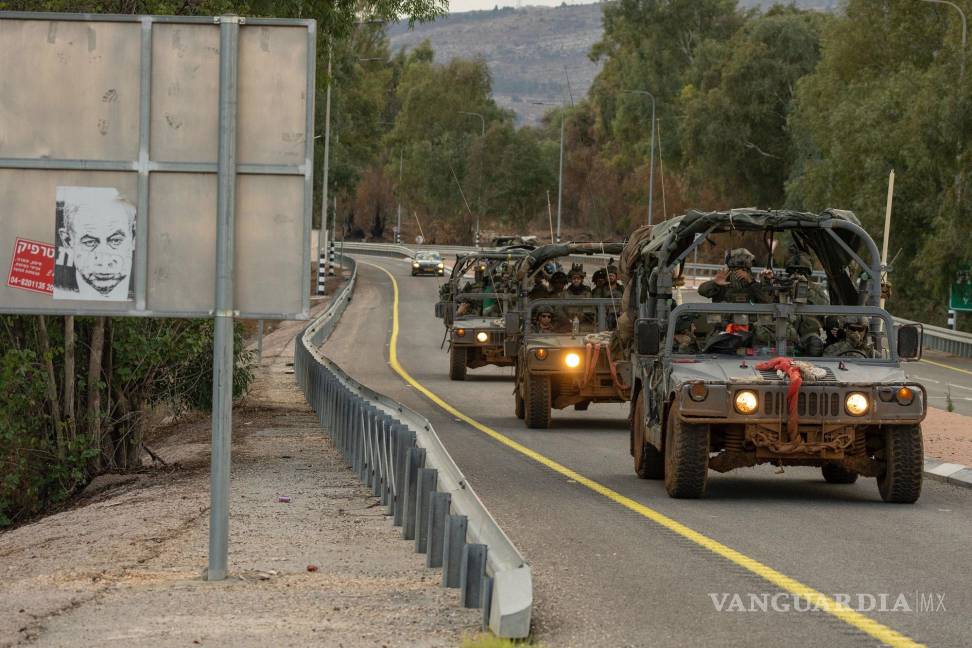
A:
<point x="607" y="573"/>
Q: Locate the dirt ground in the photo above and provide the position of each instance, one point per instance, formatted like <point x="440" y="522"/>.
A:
<point x="948" y="436"/>
<point x="123" y="567"/>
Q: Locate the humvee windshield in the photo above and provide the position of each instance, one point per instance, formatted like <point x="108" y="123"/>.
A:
<point x="768" y="330"/>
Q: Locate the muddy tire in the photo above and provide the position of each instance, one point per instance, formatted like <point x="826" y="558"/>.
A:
<point x="457" y="363"/>
<point x="537" y="413"/>
<point x="686" y="457"/>
<point x="904" y="462"/>
<point x="649" y="462"/>
<point x="836" y="474"/>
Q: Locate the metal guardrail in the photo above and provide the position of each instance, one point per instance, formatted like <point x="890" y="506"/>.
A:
<point x="395" y="451"/>
<point x="935" y="337"/>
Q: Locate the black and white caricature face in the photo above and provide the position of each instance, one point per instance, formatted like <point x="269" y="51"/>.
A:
<point x="96" y="235"/>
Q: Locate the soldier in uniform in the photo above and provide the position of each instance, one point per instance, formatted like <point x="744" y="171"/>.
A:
<point x="735" y="283"/>
<point x="577" y="287"/>
<point x="855" y="343"/>
<point x="545" y="320"/>
<point x="684" y="340"/>
<point x="600" y="284"/>
<point x="539" y="289"/>
<point x="558" y="281"/>
<point x="470" y="306"/>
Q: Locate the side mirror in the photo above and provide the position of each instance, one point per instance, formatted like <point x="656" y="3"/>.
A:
<point x="512" y="323"/>
<point x="648" y="337"/>
<point x="909" y="341"/>
<point x="440" y="308"/>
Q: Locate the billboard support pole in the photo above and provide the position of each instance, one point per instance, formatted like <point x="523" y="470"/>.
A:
<point x="229" y="32"/>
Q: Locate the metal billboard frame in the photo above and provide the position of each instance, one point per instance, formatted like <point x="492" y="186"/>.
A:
<point x="227" y="171"/>
<point x="144" y="166"/>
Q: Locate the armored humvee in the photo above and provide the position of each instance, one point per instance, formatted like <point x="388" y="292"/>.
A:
<point x="726" y="385"/>
<point x="473" y="310"/>
<point x="565" y="359"/>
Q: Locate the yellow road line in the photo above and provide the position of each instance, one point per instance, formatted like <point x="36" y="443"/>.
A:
<point x="945" y="366"/>
<point x="817" y="599"/>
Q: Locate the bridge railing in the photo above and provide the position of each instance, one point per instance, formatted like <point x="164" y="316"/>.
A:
<point x="396" y="452"/>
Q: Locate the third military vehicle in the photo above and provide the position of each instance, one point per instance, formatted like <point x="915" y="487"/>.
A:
<point x="473" y="309"/>
<point x="774" y="378"/>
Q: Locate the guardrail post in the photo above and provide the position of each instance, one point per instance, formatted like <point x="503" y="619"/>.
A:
<point x="487" y="599"/>
<point x="453" y="540"/>
<point x="414" y="461"/>
<point x="471" y="575"/>
<point x="425" y="486"/>
<point x="380" y="473"/>
<point x="386" y="468"/>
<point x="406" y="440"/>
<point x="439" y="504"/>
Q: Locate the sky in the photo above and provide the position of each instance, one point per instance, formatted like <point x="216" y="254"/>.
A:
<point x="456" y="6"/>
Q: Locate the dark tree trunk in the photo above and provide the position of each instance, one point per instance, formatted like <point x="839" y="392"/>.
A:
<point x="94" y="392"/>
<point x="69" y="376"/>
<point x="44" y="341"/>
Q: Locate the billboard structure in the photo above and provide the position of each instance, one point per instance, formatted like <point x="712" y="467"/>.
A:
<point x="128" y="106"/>
<point x="159" y="166"/>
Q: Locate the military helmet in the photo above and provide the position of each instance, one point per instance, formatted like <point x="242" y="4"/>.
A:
<point x="799" y="262"/>
<point x="739" y="258"/>
<point x="612" y="269"/>
<point x="601" y="274"/>
<point x="684" y="323"/>
<point x="577" y="269"/>
<point x="558" y="278"/>
<point x="544" y="309"/>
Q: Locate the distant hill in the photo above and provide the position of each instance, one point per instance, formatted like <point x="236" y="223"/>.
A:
<point x="528" y="48"/>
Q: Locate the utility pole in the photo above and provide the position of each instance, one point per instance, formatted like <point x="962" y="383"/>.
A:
<point x="651" y="163"/>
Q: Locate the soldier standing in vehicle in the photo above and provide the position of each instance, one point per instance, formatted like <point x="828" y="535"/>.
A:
<point x="735" y="282"/>
<point x="539" y="289"/>
<point x="577" y="287"/>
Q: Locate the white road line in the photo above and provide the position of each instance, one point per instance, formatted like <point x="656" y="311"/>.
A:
<point x="960" y="386"/>
<point x="923" y="379"/>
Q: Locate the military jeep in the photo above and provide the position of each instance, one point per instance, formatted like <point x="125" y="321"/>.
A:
<point x="728" y="385"/>
<point x="568" y="361"/>
<point x="473" y="311"/>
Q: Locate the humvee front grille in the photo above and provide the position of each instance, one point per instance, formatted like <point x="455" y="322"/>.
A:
<point x="810" y="404"/>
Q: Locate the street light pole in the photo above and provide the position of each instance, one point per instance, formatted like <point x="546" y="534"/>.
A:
<point x="651" y="162"/>
<point x="962" y="14"/>
<point x="479" y="205"/>
<point x="398" y="230"/>
<point x="560" y="181"/>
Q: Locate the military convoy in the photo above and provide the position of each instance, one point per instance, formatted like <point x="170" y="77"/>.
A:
<point x="734" y="384"/>
<point x="779" y="368"/>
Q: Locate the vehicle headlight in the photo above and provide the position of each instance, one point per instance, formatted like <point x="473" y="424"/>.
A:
<point x="856" y="404"/>
<point x="441" y="265"/>
<point x="415" y="264"/>
<point x="540" y="354"/>
<point x="572" y="359"/>
<point x="460" y="332"/>
<point x="482" y="336"/>
<point x="746" y="402"/>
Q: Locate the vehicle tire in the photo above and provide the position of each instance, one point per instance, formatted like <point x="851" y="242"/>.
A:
<point x="834" y="473"/>
<point x="686" y="457"/>
<point x="457" y="363"/>
<point x="537" y="414"/>
<point x="520" y="407"/>
<point x="649" y="462"/>
<point x="904" y="462"/>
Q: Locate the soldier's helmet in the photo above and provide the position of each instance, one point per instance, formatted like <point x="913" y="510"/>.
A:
<point x="545" y="309"/>
<point x="600" y="275"/>
<point x="799" y="263"/>
<point x="558" y="278"/>
<point x="577" y="270"/>
<point x="613" y="269"/>
<point x="739" y="258"/>
<point x="684" y="323"/>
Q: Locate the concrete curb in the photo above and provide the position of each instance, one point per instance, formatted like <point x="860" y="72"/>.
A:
<point x="950" y="473"/>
